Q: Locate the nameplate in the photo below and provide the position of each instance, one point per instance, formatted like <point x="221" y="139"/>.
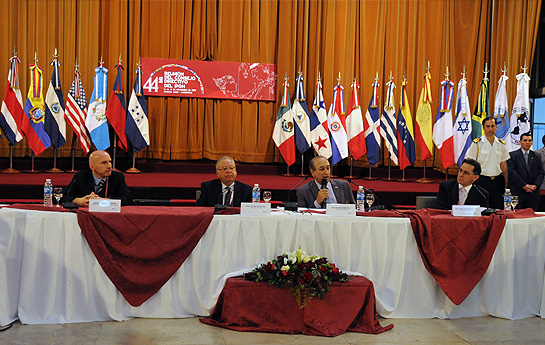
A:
<point x="340" y="210"/>
<point x="104" y="205"/>
<point x="466" y="210"/>
<point x="255" y="209"/>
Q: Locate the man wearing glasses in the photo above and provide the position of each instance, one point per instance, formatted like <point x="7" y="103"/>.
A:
<point x="463" y="191"/>
<point x="225" y="190"/>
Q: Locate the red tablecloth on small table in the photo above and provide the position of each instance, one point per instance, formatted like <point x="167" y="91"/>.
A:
<point x="258" y="307"/>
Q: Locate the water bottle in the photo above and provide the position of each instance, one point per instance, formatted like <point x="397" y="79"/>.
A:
<point x="360" y="205"/>
<point x="507" y="200"/>
<point x="256" y="193"/>
<point x="48" y="193"/>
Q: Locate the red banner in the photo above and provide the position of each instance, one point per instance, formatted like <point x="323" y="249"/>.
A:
<point x="209" y="79"/>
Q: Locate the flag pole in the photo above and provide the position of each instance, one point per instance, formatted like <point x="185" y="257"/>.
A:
<point x="115" y="154"/>
<point x="370" y="165"/>
<point x="350" y="174"/>
<point x="54" y="170"/>
<point x="133" y="170"/>
<point x="423" y="179"/>
<point x="10" y="170"/>
<point x="32" y="171"/>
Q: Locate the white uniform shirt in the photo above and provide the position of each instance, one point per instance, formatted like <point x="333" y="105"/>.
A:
<point x="489" y="156"/>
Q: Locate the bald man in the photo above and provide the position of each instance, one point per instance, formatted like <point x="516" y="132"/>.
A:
<point x="100" y="181"/>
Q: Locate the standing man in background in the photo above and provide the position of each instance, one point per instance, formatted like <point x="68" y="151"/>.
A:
<point x="492" y="154"/>
<point x="525" y="173"/>
<point x="541" y="152"/>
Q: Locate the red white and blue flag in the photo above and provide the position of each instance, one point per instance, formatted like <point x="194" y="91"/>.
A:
<point x="442" y="128"/>
<point x="116" y="112"/>
<point x="319" y="132"/>
<point x="372" y="127"/>
<point x="388" y="128"/>
<point x="283" y="128"/>
<point x="137" y="125"/>
<point x="354" y="125"/>
<point x="12" y="106"/>
<point x="301" y="117"/>
<point x="335" y="122"/>
<point x="55" y="124"/>
<point x="76" y="112"/>
<point x="33" y="124"/>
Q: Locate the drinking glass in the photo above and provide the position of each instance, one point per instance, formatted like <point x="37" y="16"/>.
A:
<point x="57" y="193"/>
<point x="370" y="199"/>
<point x="514" y="201"/>
<point x="267" y="196"/>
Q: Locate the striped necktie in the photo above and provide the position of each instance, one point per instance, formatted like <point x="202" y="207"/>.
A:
<point x="100" y="188"/>
<point x="228" y="194"/>
<point x="462" y="196"/>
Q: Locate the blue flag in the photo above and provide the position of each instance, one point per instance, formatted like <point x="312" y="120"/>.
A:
<point x="137" y="127"/>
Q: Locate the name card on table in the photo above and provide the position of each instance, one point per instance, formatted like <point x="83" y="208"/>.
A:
<point x="341" y="210"/>
<point x="466" y="210"/>
<point x="104" y="205"/>
<point x="255" y="209"/>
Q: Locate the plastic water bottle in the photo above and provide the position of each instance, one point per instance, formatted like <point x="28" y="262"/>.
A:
<point x="507" y="197"/>
<point x="360" y="200"/>
<point x="256" y="193"/>
<point x="48" y="193"/>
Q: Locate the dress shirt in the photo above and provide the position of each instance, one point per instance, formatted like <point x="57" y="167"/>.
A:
<point x="331" y="199"/>
<point x="488" y="155"/>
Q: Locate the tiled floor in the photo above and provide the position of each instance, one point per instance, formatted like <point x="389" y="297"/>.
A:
<point x="476" y="330"/>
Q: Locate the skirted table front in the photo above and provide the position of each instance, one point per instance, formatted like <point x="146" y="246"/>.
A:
<point x="258" y="307"/>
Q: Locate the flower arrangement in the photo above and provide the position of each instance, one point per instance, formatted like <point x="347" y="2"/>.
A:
<point x="307" y="276"/>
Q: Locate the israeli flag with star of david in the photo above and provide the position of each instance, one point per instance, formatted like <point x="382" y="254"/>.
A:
<point x="462" y="123"/>
<point x="137" y="127"/>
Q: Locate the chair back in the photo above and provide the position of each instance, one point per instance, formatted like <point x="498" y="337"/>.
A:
<point x="426" y="201"/>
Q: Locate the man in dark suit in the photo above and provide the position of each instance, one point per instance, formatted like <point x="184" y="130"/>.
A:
<point x="463" y="191"/>
<point x="100" y="181"/>
<point x="322" y="190"/>
<point x="225" y="190"/>
<point x="525" y="173"/>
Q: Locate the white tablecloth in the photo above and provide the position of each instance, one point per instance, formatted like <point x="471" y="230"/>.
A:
<point x="48" y="273"/>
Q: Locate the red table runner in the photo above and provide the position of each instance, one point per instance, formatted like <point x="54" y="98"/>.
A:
<point x="258" y="307"/>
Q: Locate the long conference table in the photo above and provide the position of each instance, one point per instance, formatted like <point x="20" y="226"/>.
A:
<point x="48" y="273"/>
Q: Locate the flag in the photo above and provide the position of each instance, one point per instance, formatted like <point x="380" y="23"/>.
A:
<point x="501" y="109"/>
<point x="55" y="125"/>
<point x="319" y="132"/>
<point x="12" y="106"/>
<point x="33" y="124"/>
<point x="372" y="127"/>
<point x="335" y="123"/>
<point x="388" y="123"/>
<point x="423" y="120"/>
<point x="482" y="110"/>
<point x="116" y="112"/>
<point x="462" y="124"/>
<point x="283" y="129"/>
<point x="405" y="130"/>
<point x="442" y="129"/>
<point x="300" y="115"/>
<point x="96" y="121"/>
<point x="520" y="116"/>
<point x="354" y="125"/>
<point x="76" y="112"/>
<point x="137" y="126"/>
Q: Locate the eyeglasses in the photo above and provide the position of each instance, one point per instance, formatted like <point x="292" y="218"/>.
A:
<point x="465" y="172"/>
<point x="225" y="169"/>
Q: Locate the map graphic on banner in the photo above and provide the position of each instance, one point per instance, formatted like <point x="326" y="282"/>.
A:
<point x="209" y="79"/>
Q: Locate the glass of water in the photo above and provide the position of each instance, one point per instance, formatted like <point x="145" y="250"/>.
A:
<point x="370" y="199"/>
<point x="514" y="201"/>
<point x="57" y="193"/>
<point x="266" y="196"/>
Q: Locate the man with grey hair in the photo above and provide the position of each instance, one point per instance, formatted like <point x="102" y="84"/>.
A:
<point x="225" y="189"/>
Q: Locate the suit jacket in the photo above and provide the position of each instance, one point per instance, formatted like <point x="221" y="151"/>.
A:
<point x="448" y="195"/>
<point x="211" y="191"/>
<point x="83" y="184"/>
<point x="541" y="152"/>
<point x="307" y="193"/>
<point x="521" y="174"/>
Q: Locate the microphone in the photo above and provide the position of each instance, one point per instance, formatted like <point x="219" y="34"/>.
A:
<point x="488" y="211"/>
<point x="69" y="204"/>
<point x="369" y="191"/>
<point x="324" y="186"/>
<point x="292" y="206"/>
<point x="219" y="206"/>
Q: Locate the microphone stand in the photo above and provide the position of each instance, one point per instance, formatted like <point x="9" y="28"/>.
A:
<point x="292" y="206"/>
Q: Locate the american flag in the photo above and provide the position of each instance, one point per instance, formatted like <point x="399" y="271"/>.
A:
<point x="76" y="112"/>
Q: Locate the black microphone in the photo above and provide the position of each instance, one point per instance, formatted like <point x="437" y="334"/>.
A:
<point x="70" y="204"/>
<point x="219" y="206"/>
<point x="292" y="206"/>
<point x="488" y="211"/>
<point x="324" y="186"/>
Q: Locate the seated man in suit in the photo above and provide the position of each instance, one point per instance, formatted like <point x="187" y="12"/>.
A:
<point x="225" y="190"/>
<point x="463" y="191"/>
<point x="100" y="181"/>
<point x="322" y="190"/>
<point x="525" y="173"/>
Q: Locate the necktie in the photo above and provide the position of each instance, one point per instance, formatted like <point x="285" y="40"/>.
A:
<point x="462" y="196"/>
<point x="526" y="157"/>
<point x="100" y="188"/>
<point x="228" y="194"/>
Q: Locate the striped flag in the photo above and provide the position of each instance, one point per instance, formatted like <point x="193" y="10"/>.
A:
<point x="76" y="112"/>
<point x="482" y="110"/>
<point x="405" y="130"/>
<point x="520" y="116"/>
<point x="55" y="125"/>
<point x="96" y="121"/>
<point x="354" y="125"/>
<point x="442" y="129"/>
<point x="33" y="124"/>
<point x="116" y="112"/>
<point x="283" y="128"/>
<point x="388" y="123"/>
<point x="335" y="123"/>
<point x="501" y="109"/>
<point x="301" y="117"/>
<point x="12" y="105"/>
<point x="372" y="127"/>
<point x="137" y="126"/>
<point x="423" y="120"/>
<point x="319" y="132"/>
<point x="462" y="124"/>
